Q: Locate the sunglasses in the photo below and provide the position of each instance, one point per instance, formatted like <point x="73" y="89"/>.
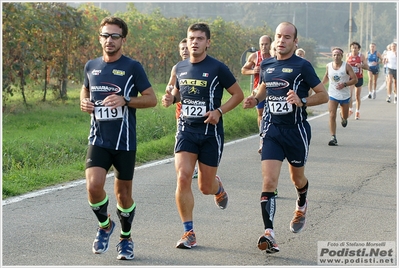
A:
<point x="114" y="36"/>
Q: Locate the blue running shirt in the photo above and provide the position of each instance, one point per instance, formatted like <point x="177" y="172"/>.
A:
<point x="371" y="58"/>
<point x="201" y="88"/>
<point x="116" y="128"/>
<point x="282" y="75"/>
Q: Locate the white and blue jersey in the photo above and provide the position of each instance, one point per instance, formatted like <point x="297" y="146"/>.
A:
<point x="114" y="128"/>
<point x="280" y="76"/>
<point x="201" y="87"/>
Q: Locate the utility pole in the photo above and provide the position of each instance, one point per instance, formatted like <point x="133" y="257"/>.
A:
<point x="368" y="27"/>
<point x="350" y="27"/>
<point x="361" y="22"/>
<point x="306" y="20"/>
<point x="371" y="24"/>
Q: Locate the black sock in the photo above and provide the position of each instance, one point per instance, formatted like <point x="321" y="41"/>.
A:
<point x="268" y="205"/>
<point x="302" y="193"/>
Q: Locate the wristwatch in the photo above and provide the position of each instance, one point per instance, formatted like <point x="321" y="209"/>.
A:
<point x="304" y="102"/>
<point x="127" y="100"/>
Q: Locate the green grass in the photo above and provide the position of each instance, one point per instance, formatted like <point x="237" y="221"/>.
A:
<point x="44" y="143"/>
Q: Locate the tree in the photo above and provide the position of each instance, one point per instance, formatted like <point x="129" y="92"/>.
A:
<point x="67" y="38"/>
<point x="39" y="37"/>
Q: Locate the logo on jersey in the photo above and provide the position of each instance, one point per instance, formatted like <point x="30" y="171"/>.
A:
<point x="193" y="82"/>
<point x="98" y="103"/>
<point x="336" y="78"/>
<point x="276" y="85"/>
<point x="277" y="98"/>
<point x="205" y="75"/>
<point x="107" y="88"/>
<point x="269" y="70"/>
<point x="287" y="70"/>
<point x="193" y="90"/>
<point x="96" y="72"/>
<point x="193" y="102"/>
<point x="118" y="72"/>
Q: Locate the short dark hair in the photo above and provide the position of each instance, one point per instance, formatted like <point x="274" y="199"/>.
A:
<point x="115" y="21"/>
<point x="200" y="26"/>
<point x="355" y="43"/>
<point x="184" y="40"/>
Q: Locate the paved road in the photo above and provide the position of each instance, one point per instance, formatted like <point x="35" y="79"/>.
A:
<point x="352" y="197"/>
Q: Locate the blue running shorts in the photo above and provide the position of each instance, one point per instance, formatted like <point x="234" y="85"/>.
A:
<point x="209" y="148"/>
<point x="287" y="141"/>
<point x="359" y="82"/>
<point x="341" y="101"/>
<point x="261" y="105"/>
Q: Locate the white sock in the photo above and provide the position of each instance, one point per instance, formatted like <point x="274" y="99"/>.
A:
<point x="271" y="231"/>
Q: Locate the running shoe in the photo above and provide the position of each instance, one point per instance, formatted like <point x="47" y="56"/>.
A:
<point x="221" y="199"/>
<point x="188" y="240"/>
<point x="357" y="117"/>
<point x="333" y="142"/>
<point x="344" y="122"/>
<point x="388" y="99"/>
<point x="298" y="221"/>
<point x="374" y="94"/>
<point x="267" y="242"/>
<point x="101" y="243"/>
<point x="195" y="174"/>
<point x="395" y="99"/>
<point x="369" y="96"/>
<point x="125" y="249"/>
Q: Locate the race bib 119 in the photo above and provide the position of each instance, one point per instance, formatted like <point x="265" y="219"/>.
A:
<point x="103" y="113"/>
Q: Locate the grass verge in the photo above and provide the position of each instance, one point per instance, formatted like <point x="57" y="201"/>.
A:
<point x="44" y="143"/>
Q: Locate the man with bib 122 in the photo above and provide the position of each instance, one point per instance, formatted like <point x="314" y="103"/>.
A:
<point x="201" y="81"/>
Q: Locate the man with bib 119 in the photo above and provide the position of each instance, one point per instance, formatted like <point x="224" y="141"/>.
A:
<point x="110" y="95"/>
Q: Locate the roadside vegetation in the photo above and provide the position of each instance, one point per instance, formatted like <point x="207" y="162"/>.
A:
<point x="44" y="143"/>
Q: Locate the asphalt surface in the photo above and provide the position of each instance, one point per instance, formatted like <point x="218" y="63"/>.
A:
<point x="352" y="197"/>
